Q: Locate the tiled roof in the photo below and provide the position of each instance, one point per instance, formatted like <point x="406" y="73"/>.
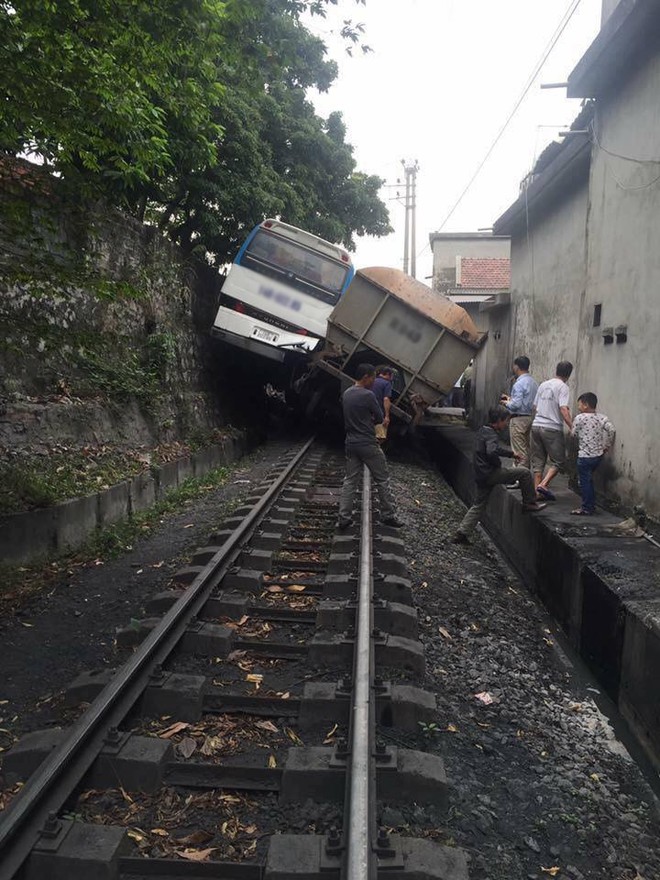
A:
<point x="19" y="173"/>
<point x="485" y="273"/>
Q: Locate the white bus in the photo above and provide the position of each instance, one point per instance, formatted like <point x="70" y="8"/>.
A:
<point x="280" y="290"/>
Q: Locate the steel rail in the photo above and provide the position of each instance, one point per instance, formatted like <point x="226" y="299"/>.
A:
<point x="361" y="863"/>
<point x="58" y="775"/>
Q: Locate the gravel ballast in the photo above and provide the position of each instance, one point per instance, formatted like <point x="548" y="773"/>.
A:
<point x="541" y="785"/>
<point x="71" y="627"/>
<point x="540" y="780"/>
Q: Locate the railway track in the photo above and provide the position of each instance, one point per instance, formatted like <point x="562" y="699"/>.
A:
<point x="249" y="732"/>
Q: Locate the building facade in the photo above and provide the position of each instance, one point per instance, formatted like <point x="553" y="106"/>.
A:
<point x="585" y="254"/>
<point x="474" y="270"/>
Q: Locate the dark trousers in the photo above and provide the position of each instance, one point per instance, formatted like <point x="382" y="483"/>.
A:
<point x="375" y="460"/>
<point x="586" y="467"/>
<point x="498" y="477"/>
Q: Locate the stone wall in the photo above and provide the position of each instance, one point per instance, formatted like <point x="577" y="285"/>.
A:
<point x="105" y="325"/>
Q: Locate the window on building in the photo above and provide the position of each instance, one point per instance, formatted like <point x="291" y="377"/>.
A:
<point x="598" y="308"/>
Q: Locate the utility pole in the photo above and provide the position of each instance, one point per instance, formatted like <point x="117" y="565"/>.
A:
<point x="409" y="244"/>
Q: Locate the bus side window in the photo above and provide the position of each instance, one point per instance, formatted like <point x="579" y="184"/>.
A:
<point x="263" y="247"/>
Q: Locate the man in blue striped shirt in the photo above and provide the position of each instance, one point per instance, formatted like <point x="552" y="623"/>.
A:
<point x="520" y="404"/>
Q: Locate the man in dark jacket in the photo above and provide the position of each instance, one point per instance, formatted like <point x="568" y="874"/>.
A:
<point x="488" y="473"/>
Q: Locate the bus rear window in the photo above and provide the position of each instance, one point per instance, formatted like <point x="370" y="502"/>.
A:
<point x="307" y="266"/>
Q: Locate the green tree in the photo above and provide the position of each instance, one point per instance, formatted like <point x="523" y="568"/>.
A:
<point x="276" y="156"/>
<point x="121" y="91"/>
<point x="194" y="111"/>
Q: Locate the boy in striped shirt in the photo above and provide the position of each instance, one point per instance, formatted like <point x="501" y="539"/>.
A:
<point x="595" y="435"/>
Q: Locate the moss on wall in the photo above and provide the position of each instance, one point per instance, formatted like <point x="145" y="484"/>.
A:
<point x="95" y="308"/>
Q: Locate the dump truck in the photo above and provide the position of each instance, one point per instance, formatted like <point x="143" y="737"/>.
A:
<point x="387" y="317"/>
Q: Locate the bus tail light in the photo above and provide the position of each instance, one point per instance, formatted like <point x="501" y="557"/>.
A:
<point x="239" y="307"/>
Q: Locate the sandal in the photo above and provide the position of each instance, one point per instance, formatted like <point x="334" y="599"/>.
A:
<point x="579" y="511"/>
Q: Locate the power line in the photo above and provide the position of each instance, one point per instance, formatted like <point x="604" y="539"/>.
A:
<point x="561" y="27"/>
<point x="637" y="161"/>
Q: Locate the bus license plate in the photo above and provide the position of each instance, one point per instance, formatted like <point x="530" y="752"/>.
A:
<point x="266" y="335"/>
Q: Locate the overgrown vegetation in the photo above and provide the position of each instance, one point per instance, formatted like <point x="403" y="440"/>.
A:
<point x="122" y="372"/>
<point x="192" y="113"/>
<point x="120" y="537"/>
<point x="19" y="583"/>
<point x="41" y="481"/>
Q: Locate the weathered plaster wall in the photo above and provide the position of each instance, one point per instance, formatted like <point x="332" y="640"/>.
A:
<point x="493" y="363"/>
<point x="104" y="325"/>
<point x="547" y="286"/>
<point x="623" y="276"/>
<point x="601" y="246"/>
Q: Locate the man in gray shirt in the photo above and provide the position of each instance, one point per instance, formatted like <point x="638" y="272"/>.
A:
<point x="362" y="413"/>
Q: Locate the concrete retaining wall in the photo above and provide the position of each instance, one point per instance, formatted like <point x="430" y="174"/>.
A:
<point x="37" y="534"/>
<point x="603" y="590"/>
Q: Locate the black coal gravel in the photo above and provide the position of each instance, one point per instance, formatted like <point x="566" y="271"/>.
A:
<point x="541" y="786"/>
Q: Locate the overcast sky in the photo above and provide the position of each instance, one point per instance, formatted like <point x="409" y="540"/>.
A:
<point x="442" y="78"/>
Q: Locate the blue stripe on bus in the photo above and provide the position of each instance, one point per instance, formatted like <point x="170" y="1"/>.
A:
<point x="349" y="278"/>
<point x="245" y="246"/>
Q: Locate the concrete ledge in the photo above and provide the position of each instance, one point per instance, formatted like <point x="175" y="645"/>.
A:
<point x="113" y="504"/>
<point x="36" y="535"/>
<point x="603" y="590"/>
<point x="141" y="492"/>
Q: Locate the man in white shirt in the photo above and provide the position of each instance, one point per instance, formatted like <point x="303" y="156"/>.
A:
<point x="551" y="413"/>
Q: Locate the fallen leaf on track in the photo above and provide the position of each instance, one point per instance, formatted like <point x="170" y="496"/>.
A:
<point x="267" y="725"/>
<point x="195" y="855"/>
<point x="211" y="745"/>
<point x="177" y="727"/>
<point x="485" y="698"/>
<point x="296" y="588"/>
<point x="330" y="735"/>
<point x="444" y="633"/>
<point x="552" y="871"/>
<point x="255" y="679"/>
<point x="272" y="762"/>
<point x="293" y="736"/>
<point x="197" y="838"/>
<point x="451" y="728"/>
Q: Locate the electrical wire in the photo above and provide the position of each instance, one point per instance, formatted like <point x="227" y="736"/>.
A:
<point x="628" y="187"/>
<point x="619" y="155"/>
<point x="561" y="27"/>
<point x="625" y="186"/>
